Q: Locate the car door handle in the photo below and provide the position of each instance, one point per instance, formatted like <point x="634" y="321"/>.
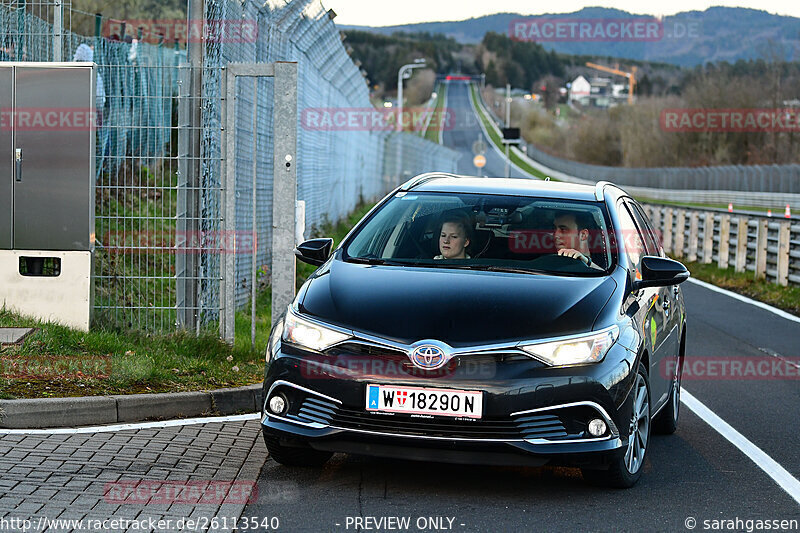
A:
<point x="18" y="164"/>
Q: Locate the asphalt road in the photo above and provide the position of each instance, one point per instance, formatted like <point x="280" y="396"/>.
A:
<point x="695" y="474"/>
<point x="466" y="131"/>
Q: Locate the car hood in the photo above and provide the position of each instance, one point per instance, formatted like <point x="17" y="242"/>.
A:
<point x="459" y="307"/>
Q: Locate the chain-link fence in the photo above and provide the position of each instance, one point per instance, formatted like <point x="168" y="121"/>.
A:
<point x="159" y="154"/>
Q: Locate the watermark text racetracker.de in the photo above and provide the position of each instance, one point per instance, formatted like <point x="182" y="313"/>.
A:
<point x="727" y="368"/>
<point x="571" y="29"/>
<point x="730" y="120"/>
<point x="150" y="492"/>
<point x="51" y="367"/>
<point x="180" y="242"/>
<point x="371" y="119"/>
<point x="48" y="119"/>
<point x="156" y="31"/>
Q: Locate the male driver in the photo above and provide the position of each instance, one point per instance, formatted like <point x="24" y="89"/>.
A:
<point x="571" y="235"/>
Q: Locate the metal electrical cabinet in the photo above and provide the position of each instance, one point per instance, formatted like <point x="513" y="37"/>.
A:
<point x="47" y="158"/>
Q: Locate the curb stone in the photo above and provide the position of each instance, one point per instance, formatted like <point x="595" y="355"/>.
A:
<point x="97" y="410"/>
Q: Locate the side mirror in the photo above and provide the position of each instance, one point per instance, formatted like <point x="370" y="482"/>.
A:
<point x="314" y="252"/>
<point x="660" y="272"/>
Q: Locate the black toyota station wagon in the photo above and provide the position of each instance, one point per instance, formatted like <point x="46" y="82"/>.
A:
<point x="483" y="321"/>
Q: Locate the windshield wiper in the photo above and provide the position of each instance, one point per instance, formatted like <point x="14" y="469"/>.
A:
<point x="373" y="261"/>
<point x="511" y="270"/>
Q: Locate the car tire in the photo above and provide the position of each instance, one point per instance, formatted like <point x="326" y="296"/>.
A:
<point x="626" y="470"/>
<point x="666" y="423"/>
<point x="290" y="456"/>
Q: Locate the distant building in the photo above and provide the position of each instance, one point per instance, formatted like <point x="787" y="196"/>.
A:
<point x="580" y="91"/>
<point x="597" y="92"/>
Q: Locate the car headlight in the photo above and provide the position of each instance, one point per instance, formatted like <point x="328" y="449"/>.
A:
<point x="302" y="332"/>
<point x="575" y="350"/>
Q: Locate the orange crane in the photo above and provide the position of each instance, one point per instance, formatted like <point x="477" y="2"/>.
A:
<point x="630" y="75"/>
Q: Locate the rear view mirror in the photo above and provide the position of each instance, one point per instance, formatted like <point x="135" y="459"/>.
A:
<point x="660" y="272"/>
<point x="314" y="252"/>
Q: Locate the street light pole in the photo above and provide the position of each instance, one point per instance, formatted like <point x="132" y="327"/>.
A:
<point x="403" y="73"/>
<point x="508" y="125"/>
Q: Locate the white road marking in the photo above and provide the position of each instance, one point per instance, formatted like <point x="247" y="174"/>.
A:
<point x="766" y="463"/>
<point x="745" y="299"/>
<point x="127" y="427"/>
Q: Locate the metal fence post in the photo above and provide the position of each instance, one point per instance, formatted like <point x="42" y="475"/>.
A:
<point x="254" y="223"/>
<point x="694" y="219"/>
<point x="680" y="234"/>
<point x="58" y="29"/>
<point x="784" y="232"/>
<point x="741" y="244"/>
<point x="708" y="238"/>
<point x="191" y="138"/>
<point x="284" y="188"/>
<point x="227" y="320"/>
<point x="667" y="225"/>
<point x="724" y="240"/>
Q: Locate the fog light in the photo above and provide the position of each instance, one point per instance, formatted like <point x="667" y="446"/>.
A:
<point x="597" y="427"/>
<point x="277" y="404"/>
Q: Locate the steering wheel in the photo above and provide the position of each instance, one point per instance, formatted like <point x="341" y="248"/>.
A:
<point x="559" y="262"/>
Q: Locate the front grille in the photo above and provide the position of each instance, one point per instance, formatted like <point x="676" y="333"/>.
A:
<point x="316" y="410"/>
<point x="541" y="427"/>
<point x="554" y="425"/>
<point x="384" y="352"/>
<point x="357" y="348"/>
<point x="321" y="411"/>
<point x="426" y="427"/>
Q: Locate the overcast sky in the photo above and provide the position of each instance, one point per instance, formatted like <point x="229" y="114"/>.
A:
<point x="391" y="12"/>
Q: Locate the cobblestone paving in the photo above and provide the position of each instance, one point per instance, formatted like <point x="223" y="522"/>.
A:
<point x="73" y="476"/>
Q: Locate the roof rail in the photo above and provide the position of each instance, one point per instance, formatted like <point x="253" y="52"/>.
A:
<point x="599" y="194"/>
<point x="422" y="178"/>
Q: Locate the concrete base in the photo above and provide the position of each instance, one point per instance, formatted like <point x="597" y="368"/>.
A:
<point x="13" y="335"/>
<point x="66" y="299"/>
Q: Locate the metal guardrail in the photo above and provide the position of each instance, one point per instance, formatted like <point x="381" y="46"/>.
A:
<point x="743" y="178"/>
<point x="766" y="246"/>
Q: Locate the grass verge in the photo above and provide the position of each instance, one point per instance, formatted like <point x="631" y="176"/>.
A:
<point x="495" y="138"/>
<point x="786" y="298"/>
<point x="56" y="361"/>
<point x="432" y="134"/>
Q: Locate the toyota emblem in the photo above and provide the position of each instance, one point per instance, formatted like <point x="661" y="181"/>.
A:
<point x="428" y="356"/>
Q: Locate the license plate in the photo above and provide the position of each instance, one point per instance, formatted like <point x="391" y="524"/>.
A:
<point x="420" y="401"/>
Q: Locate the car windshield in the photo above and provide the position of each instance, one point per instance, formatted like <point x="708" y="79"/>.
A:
<point x="485" y="232"/>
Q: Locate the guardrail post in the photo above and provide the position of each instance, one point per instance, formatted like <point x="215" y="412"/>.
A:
<point x="724" y="241"/>
<point x="708" y="238"/>
<point x="655" y="217"/>
<point x="667" y="228"/>
<point x="784" y="233"/>
<point x="694" y="222"/>
<point x="680" y="235"/>
<point x="761" y="249"/>
<point x="741" y="244"/>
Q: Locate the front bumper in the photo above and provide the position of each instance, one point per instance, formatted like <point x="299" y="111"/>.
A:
<point x="532" y="414"/>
